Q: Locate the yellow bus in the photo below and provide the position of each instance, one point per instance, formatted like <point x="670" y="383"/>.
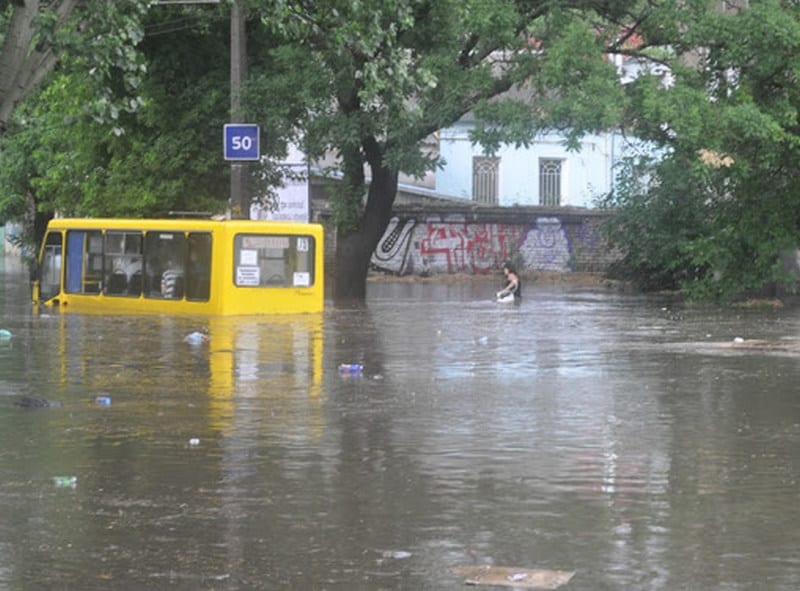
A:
<point x="181" y="266"/>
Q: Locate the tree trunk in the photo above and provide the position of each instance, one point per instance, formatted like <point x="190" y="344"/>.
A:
<point x="21" y="67"/>
<point x="34" y="226"/>
<point x="351" y="267"/>
<point x="354" y="248"/>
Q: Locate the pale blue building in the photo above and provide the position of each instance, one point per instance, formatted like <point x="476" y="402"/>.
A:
<point x="545" y="173"/>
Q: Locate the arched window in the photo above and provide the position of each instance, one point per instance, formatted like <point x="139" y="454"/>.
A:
<point x="485" y="180"/>
<point x="549" y="181"/>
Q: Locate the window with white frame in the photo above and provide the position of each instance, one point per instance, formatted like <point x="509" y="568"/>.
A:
<point x="485" y="181"/>
<point x="550" y="181"/>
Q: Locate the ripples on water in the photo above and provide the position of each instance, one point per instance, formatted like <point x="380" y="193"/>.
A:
<point x="578" y="431"/>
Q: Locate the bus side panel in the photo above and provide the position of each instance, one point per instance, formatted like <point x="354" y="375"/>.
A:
<point x="268" y="300"/>
<point x="224" y="297"/>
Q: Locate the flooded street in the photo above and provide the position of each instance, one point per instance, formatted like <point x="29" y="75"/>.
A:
<point x="618" y="436"/>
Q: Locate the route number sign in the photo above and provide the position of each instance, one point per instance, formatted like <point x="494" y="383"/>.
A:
<point x="241" y="141"/>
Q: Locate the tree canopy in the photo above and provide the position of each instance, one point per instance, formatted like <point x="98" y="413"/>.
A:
<point x="116" y="145"/>
<point x="100" y="38"/>
<point x="371" y="79"/>
<point x="723" y="204"/>
<point x="716" y="98"/>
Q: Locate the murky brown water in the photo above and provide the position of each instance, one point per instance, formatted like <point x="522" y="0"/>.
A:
<point x="595" y="432"/>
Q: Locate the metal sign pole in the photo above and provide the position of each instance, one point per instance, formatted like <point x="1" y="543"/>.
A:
<point x="239" y="201"/>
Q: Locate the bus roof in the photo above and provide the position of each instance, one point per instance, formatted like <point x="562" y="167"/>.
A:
<point x="177" y="224"/>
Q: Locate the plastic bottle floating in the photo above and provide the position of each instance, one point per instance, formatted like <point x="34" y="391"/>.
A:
<point x="351" y="369"/>
<point x="196" y="338"/>
<point x="65" y="481"/>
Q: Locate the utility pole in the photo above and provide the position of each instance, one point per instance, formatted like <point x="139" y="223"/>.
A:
<point x="240" y="196"/>
<point x="239" y="204"/>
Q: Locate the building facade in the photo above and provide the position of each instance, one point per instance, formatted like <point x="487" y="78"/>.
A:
<point x="544" y="174"/>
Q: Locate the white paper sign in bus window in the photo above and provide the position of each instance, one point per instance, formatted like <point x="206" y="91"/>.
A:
<point x="248" y="257"/>
<point x="302" y="244"/>
<point x="301" y="279"/>
<point x="273" y="242"/>
<point x="248" y="276"/>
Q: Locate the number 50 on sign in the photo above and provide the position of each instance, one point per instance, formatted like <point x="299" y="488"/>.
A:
<point x="241" y="141"/>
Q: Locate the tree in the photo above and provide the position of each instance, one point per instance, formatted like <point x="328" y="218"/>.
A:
<point x="119" y="144"/>
<point x="36" y="34"/>
<point x="24" y="61"/>
<point x="724" y="203"/>
<point x="27" y="56"/>
<point x="371" y="79"/>
<point x="116" y="145"/>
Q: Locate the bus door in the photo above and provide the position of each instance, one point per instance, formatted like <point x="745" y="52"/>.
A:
<point x="84" y="264"/>
<point x="50" y="276"/>
<point x="75" y="241"/>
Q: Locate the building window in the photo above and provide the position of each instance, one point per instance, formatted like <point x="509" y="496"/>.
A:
<point x="549" y="181"/>
<point x="485" y="180"/>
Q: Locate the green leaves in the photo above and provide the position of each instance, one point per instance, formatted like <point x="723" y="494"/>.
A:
<point x="119" y="143"/>
<point x="714" y="92"/>
<point x="723" y="206"/>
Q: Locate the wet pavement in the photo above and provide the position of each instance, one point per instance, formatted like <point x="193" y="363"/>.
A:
<point x="629" y="439"/>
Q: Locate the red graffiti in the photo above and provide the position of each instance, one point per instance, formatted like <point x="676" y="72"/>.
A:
<point x="470" y="248"/>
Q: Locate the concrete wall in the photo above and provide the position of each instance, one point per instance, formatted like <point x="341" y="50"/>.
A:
<point x="438" y="236"/>
<point x="420" y="241"/>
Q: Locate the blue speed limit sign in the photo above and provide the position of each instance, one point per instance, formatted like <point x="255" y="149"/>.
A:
<point x="241" y="141"/>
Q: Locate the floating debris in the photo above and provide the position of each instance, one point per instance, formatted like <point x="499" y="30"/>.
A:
<point x="103" y="400"/>
<point x="519" y="578"/>
<point x="196" y="338"/>
<point x="65" y="481"/>
<point x="396" y="554"/>
<point x="5" y="335"/>
<point x="787" y="345"/>
<point x="784" y="346"/>
<point x="31" y="402"/>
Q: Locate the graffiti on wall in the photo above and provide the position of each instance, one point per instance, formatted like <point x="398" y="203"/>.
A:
<point x="467" y="247"/>
<point x="392" y="254"/>
<point x="546" y="246"/>
<point x="449" y="244"/>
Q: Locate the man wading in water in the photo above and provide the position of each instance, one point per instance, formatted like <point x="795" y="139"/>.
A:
<point x="512" y="292"/>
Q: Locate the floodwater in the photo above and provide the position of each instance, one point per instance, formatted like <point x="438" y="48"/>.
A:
<point x="617" y="436"/>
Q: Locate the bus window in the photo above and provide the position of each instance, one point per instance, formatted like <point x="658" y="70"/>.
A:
<point x="84" y="261"/>
<point x="50" y="279"/>
<point x="198" y="275"/>
<point x="164" y="262"/>
<point x="123" y="263"/>
<point x="273" y="261"/>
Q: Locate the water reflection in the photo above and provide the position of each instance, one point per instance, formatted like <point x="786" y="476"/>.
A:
<point x="593" y="432"/>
